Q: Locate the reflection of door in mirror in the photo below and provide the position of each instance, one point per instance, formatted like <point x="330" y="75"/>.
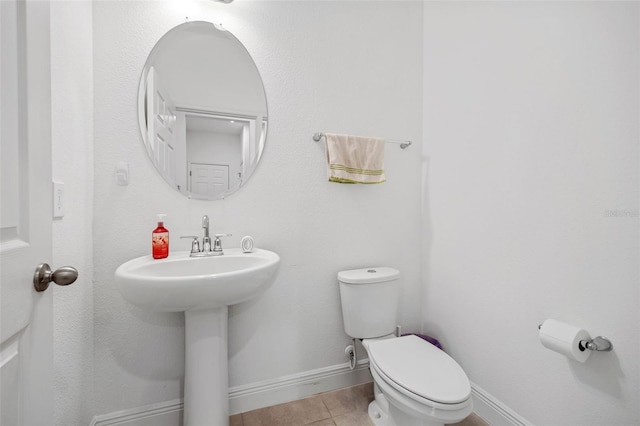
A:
<point x="208" y="179"/>
<point x="160" y="126"/>
<point x="220" y="146"/>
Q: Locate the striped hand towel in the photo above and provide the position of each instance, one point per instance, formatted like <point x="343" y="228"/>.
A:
<point x="355" y="159"/>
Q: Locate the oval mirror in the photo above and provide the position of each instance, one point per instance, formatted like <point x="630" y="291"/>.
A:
<point x="202" y="111"/>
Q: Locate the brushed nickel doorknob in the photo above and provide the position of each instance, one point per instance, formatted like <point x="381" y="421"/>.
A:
<point x="62" y="276"/>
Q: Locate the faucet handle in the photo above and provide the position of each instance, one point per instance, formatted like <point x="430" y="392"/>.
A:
<point x="195" y="245"/>
<point x="217" y="244"/>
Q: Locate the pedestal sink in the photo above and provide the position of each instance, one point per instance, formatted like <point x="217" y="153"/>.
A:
<point x="202" y="288"/>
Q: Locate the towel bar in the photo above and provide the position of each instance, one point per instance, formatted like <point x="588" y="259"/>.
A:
<point x="403" y="144"/>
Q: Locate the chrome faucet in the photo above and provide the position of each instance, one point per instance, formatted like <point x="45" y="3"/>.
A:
<point x="206" y="242"/>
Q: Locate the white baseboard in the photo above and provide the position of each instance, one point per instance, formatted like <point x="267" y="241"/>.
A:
<point x="493" y="411"/>
<point x="296" y="386"/>
<point x="166" y="413"/>
<point x="247" y="397"/>
<point x="290" y="388"/>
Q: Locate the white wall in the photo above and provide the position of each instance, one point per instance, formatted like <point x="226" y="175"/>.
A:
<point x="531" y="199"/>
<point x="72" y="132"/>
<point x="327" y="66"/>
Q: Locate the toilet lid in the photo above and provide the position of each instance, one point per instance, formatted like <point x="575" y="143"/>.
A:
<point x="421" y="368"/>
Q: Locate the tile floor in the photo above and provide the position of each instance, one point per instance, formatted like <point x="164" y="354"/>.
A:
<point x="344" y="407"/>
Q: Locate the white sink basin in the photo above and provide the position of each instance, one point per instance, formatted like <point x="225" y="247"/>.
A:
<point x="202" y="287"/>
<point x="183" y="283"/>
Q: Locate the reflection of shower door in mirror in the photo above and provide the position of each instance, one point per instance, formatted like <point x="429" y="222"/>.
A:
<point x="161" y="126"/>
<point x="208" y="179"/>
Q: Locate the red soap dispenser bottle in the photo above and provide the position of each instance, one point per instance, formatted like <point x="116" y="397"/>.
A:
<point x="160" y="240"/>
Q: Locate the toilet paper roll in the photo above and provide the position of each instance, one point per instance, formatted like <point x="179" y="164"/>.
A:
<point x="564" y="339"/>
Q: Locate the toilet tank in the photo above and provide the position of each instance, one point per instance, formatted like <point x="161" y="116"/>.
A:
<point x="370" y="300"/>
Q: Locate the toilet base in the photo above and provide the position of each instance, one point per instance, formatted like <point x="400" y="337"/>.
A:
<point x="379" y="417"/>
<point x="382" y="413"/>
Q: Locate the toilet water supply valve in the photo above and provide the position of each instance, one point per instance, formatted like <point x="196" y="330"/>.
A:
<point x="350" y="352"/>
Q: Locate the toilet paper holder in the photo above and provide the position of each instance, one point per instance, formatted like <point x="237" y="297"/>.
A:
<point x="598" y="343"/>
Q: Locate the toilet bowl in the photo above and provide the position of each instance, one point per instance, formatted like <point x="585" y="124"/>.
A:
<point x="415" y="383"/>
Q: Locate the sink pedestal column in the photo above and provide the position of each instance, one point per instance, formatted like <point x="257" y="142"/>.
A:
<point x="206" y="379"/>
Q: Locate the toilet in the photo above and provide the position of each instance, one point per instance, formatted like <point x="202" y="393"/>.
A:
<point x="415" y="383"/>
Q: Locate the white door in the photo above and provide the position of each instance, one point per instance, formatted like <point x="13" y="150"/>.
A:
<point x="26" y="332"/>
<point x="208" y="179"/>
<point x="161" y="123"/>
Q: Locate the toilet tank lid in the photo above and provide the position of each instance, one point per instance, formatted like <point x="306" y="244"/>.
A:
<point x="368" y="275"/>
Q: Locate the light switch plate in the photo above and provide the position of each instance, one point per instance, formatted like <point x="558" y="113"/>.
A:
<point x="58" y="200"/>
<point x="122" y="173"/>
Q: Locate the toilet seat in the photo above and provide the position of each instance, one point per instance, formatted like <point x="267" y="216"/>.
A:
<point x="419" y="370"/>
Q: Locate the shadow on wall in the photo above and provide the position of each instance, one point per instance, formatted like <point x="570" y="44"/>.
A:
<point x="250" y="328"/>
<point x="601" y="371"/>
<point x="128" y="357"/>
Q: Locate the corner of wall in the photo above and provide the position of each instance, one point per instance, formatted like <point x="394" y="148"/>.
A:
<point x="72" y="157"/>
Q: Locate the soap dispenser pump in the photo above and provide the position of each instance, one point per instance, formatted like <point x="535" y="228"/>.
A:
<point x="160" y="240"/>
